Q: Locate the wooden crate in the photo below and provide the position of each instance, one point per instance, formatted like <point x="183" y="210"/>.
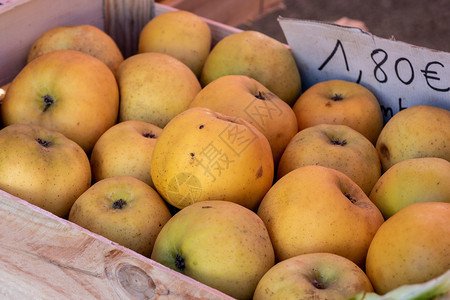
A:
<point x="46" y="257"/>
<point x="230" y="12"/>
<point x="43" y="256"/>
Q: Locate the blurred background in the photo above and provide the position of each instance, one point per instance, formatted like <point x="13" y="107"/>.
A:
<point x="424" y="23"/>
<point x="419" y="22"/>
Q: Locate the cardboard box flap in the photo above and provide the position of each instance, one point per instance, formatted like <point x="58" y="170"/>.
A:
<point x="399" y="74"/>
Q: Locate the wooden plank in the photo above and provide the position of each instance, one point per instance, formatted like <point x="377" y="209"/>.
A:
<point x="46" y="257"/>
<point x="124" y="20"/>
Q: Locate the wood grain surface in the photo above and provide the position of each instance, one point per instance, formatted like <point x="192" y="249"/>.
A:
<point x="45" y="257"/>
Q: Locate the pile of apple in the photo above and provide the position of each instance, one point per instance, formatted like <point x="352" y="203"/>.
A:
<point x="211" y="161"/>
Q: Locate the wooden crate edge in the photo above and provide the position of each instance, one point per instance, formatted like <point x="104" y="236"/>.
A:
<point x="71" y="262"/>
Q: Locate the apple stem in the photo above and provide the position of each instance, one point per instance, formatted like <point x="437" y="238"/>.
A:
<point x="337" y="97"/>
<point x="48" y="101"/>
<point x="260" y="96"/>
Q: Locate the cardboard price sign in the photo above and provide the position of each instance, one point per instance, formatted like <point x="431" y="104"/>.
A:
<point x="399" y="74"/>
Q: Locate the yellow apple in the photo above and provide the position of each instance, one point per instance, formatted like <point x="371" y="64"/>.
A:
<point x="413" y="180"/>
<point x="313" y="276"/>
<point x="67" y="91"/>
<point x="219" y="243"/>
<point x="123" y="209"/>
<point x="244" y="97"/>
<point x="204" y="155"/>
<point x="340" y="102"/>
<point x="256" y="55"/>
<point x="85" y="38"/>
<point x="43" y="167"/>
<point x="154" y="88"/>
<point x="335" y="146"/>
<point x="125" y="150"/>
<point x="181" y="34"/>
<point x="417" y="131"/>
<point x="411" y="247"/>
<point x="319" y="209"/>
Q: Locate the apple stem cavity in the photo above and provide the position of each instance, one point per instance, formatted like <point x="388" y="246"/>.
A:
<point x="48" y="101"/>
<point x="179" y="262"/>
<point x="149" y="135"/>
<point x="318" y="285"/>
<point x="44" y="143"/>
<point x="260" y="96"/>
<point x="350" y="198"/>
<point x="119" y="204"/>
<point x="338" y="142"/>
<point x="384" y="151"/>
<point x="337" y="97"/>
